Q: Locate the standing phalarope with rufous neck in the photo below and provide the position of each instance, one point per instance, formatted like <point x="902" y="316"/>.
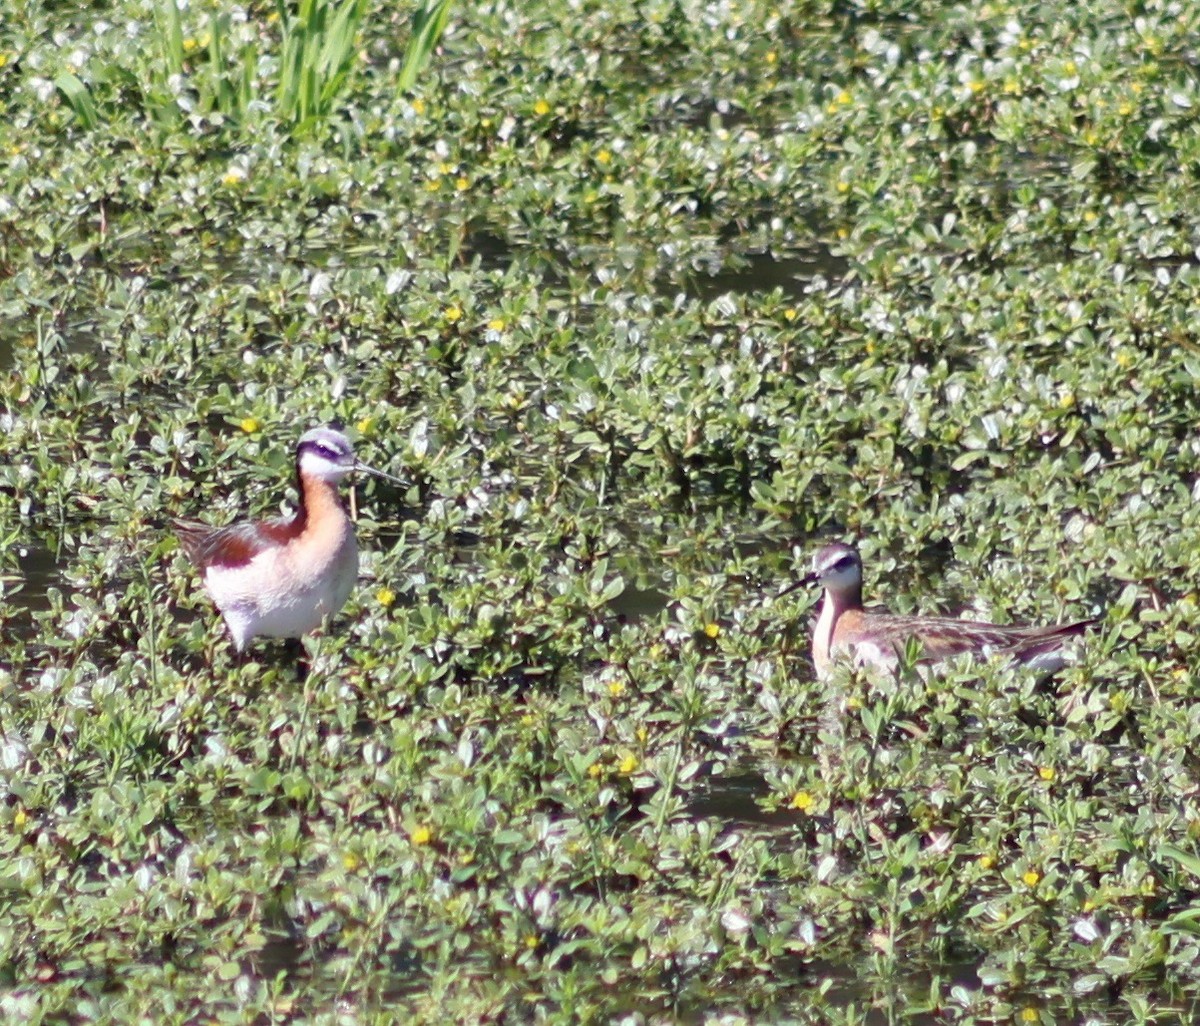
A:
<point x="283" y="578"/>
<point x="879" y="639"/>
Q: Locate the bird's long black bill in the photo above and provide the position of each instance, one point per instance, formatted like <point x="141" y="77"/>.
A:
<point x="364" y="469"/>
<point x="803" y="582"/>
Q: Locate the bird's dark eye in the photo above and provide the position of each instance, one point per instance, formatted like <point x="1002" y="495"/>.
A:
<point x="843" y="564"/>
<point x="323" y="450"/>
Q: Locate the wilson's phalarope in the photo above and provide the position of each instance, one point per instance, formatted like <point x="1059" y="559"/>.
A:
<point x="282" y="578"/>
<point x="879" y="639"/>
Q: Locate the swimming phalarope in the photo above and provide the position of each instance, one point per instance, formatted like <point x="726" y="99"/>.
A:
<point x="879" y="639"/>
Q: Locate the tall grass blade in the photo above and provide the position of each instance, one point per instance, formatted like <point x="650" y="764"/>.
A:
<point x="316" y="55"/>
<point x="428" y="25"/>
<point x="170" y="30"/>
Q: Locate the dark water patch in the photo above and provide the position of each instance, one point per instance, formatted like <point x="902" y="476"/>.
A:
<point x="38" y="569"/>
<point x="284" y="954"/>
<point x="69" y="332"/>
<point x="638" y="603"/>
<point x="734" y="797"/>
<point x="754" y="273"/>
<point x="886" y="998"/>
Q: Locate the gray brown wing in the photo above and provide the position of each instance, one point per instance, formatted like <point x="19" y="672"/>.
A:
<point x="1031" y="644"/>
<point x="943" y="637"/>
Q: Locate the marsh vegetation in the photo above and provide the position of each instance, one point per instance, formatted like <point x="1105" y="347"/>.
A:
<point x="646" y="301"/>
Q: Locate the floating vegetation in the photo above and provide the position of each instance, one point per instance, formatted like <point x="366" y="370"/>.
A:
<point x="647" y="302"/>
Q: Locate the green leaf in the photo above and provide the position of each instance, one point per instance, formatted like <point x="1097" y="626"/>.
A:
<point x="77" y="96"/>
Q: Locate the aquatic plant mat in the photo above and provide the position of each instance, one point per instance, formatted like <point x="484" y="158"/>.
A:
<point x="645" y="302"/>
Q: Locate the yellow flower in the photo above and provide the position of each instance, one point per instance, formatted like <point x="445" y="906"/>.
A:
<point x="433" y="185"/>
<point x="1046" y="773"/>
<point x="604" y="157"/>
<point x="987" y="861"/>
<point x="843" y="187"/>
<point x="190" y="44"/>
<point x="462" y="183"/>
<point x="628" y="765"/>
<point x="496" y="324"/>
<point x="712" y="630"/>
<point x="250" y="425"/>
<point x="234" y="176"/>
<point x="1031" y="877"/>
<point x="1030" y="1014"/>
<point x="418" y="106"/>
<point x="772" y="56"/>
<point x="616" y="688"/>
<point x="790" y="314"/>
<point x="351" y="861"/>
<point x="595" y="770"/>
<point x="541" y="108"/>
<point x="420" y="836"/>
<point x="365" y="426"/>
<point x="453" y="314"/>
<point x="20" y="818"/>
<point x="531" y="941"/>
<point x="385" y="597"/>
<point x="803" y="801"/>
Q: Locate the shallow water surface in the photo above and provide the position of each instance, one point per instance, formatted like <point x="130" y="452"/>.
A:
<point x="762" y="272"/>
<point x="38" y="570"/>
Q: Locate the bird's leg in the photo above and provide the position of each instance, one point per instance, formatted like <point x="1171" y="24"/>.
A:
<point x="294" y="649"/>
<point x="306" y="659"/>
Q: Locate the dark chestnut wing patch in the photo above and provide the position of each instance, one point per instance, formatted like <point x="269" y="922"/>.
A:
<point x="234" y="545"/>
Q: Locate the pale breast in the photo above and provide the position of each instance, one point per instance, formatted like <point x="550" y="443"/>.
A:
<point x="288" y="591"/>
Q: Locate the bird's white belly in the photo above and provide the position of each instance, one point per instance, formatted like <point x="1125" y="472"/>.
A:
<point x="273" y="597"/>
<point x="875" y="656"/>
